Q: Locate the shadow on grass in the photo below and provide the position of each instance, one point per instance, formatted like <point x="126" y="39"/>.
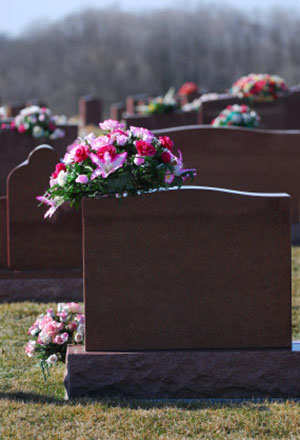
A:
<point x="188" y="404"/>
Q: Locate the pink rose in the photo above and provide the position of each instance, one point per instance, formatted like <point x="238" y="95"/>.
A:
<point x="166" y="142"/>
<point x="58" y="168"/>
<point x="81" y="153"/>
<point x="43" y="338"/>
<point x="138" y="160"/>
<point x="82" y="178"/>
<point x="30" y="348"/>
<point x="63" y="315"/>
<point x="44" y="321"/>
<point x="72" y="326"/>
<point x="74" y="307"/>
<point x="107" y="149"/>
<point x="21" y="128"/>
<point x="166" y="156"/>
<point x="145" y="149"/>
<point x="51" y="329"/>
<point x="61" y="339"/>
<point x="111" y="125"/>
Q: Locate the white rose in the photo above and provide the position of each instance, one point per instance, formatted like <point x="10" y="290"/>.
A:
<point x="44" y="338"/>
<point x="52" y="359"/>
<point x="62" y="178"/>
<point x="78" y="337"/>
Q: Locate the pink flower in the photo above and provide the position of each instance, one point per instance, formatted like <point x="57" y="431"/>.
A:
<point x="61" y="339"/>
<point x="111" y="125"/>
<point x="80" y="318"/>
<point x="58" y="168"/>
<point x="74" y="307"/>
<point x="107" y="165"/>
<point x="169" y="177"/>
<point x="12" y="125"/>
<point x="166" y="156"/>
<point x="138" y="160"/>
<point x="63" y="315"/>
<point x="43" y="338"/>
<point x="34" y="329"/>
<point x="142" y="133"/>
<point x="121" y="139"/>
<point x="51" y="328"/>
<point x="30" y="348"/>
<point x="50" y="312"/>
<point x="166" y="142"/>
<point x="52" y="359"/>
<point x="81" y="153"/>
<point x="145" y="149"/>
<point x="78" y="338"/>
<point x="107" y="149"/>
<point x="44" y="321"/>
<point x="82" y="178"/>
<point x="100" y="142"/>
<point x="72" y="326"/>
<point x="21" y="128"/>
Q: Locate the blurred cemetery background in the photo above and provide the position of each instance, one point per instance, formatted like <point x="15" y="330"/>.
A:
<point x="116" y="50"/>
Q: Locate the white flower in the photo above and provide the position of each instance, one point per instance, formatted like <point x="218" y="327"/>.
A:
<point x="62" y="178"/>
<point x="37" y="131"/>
<point x="44" y="338"/>
<point x="78" y="337"/>
<point x="52" y="359"/>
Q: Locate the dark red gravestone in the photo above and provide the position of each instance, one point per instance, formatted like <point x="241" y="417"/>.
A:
<point x="15" y="147"/>
<point x="90" y="110"/>
<point x="39" y="259"/>
<point x="155" y="122"/>
<point x="133" y="101"/>
<point x="13" y="109"/>
<point x="242" y="159"/>
<point x="198" y="268"/>
<point x="35" y="243"/>
<point x="116" y="111"/>
<point x="281" y="114"/>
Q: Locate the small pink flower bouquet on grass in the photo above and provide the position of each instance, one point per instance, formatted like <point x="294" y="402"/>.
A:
<point x="118" y="163"/>
<point x="53" y="331"/>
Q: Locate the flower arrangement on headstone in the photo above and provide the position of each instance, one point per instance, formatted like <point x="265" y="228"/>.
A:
<point x="35" y="121"/>
<point x="237" y="115"/>
<point x="38" y="122"/>
<point x="161" y="104"/>
<point x="53" y="331"/>
<point x="188" y="92"/>
<point x="259" y="87"/>
<point x="116" y="164"/>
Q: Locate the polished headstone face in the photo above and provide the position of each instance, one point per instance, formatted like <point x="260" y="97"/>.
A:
<point x="15" y="147"/>
<point x="187" y="269"/>
<point x="33" y="242"/>
<point x="280" y="114"/>
<point x="242" y="159"/>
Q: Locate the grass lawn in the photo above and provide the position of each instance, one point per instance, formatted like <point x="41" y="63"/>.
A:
<point x="33" y="409"/>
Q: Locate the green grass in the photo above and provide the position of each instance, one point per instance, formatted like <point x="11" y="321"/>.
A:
<point x="33" y="409"/>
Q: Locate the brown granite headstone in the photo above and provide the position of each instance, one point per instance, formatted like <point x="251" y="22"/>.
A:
<point x="116" y="111"/>
<point x="90" y="110"/>
<point x="197" y="268"/>
<point x="33" y="242"/>
<point x="15" y="147"/>
<point x="242" y="159"/>
<point x="156" y="122"/>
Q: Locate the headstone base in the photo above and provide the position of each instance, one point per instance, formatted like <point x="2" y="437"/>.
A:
<point x="184" y="374"/>
<point x="51" y="286"/>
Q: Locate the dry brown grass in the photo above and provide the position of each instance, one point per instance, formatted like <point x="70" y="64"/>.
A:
<point x="33" y="409"/>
